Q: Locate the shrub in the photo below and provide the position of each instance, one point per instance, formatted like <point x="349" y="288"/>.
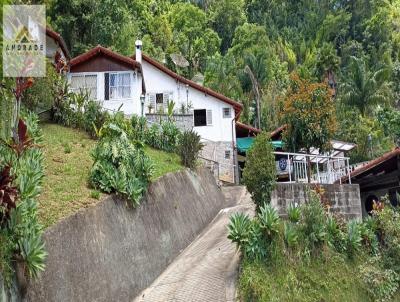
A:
<point x="78" y="111"/>
<point x="259" y="173"/>
<point x="290" y="234"/>
<point x="169" y="136"/>
<point x="335" y="234"/>
<point x="139" y="127"/>
<point x="93" y="117"/>
<point x="380" y="283"/>
<point x="313" y="222"/>
<point x="189" y="148"/>
<point x="22" y="230"/>
<point x="354" y="238"/>
<point x="120" y="165"/>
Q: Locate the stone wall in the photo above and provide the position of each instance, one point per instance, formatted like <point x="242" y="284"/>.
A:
<point x="216" y="151"/>
<point x="111" y="253"/>
<point x="10" y="294"/>
<point x="182" y="121"/>
<point x="344" y="199"/>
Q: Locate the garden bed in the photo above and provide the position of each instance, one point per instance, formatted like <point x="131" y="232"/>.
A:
<point x="68" y="162"/>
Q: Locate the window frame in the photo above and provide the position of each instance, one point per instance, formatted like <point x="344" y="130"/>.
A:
<point x="223" y="112"/>
<point x="84" y="75"/>
<point x="208" y="117"/>
<point x="117" y="86"/>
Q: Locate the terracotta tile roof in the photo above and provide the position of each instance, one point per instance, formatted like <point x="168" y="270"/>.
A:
<point x="237" y="106"/>
<point x="100" y="50"/>
<point x="248" y="127"/>
<point x="278" y="131"/>
<point x="60" y="41"/>
<point x="107" y="52"/>
<point x="373" y="163"/>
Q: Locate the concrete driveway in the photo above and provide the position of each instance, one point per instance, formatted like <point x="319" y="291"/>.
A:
<point x="207" y="269"/>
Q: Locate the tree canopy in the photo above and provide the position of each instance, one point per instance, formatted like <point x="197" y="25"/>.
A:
<point x="246" y="49"/>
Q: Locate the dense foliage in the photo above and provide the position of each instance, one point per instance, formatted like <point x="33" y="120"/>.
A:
<point x="189" y="147"/>
<point x="312" y="234"/>
<point x="259" y="174"/>
<point x="21" y="166"/>
<point x="77" y="110"/>
<point x="120" y="164"/>
<point x="246" y="49"/>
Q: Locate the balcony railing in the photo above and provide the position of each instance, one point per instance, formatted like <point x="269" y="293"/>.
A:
<point x="325" y="169"/>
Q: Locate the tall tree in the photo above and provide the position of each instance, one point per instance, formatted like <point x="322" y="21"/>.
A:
<point x="365" y="88"/>
<point x="309" y="113"/>
<point x="192" y="36"/>
<point x="225" y="16"/>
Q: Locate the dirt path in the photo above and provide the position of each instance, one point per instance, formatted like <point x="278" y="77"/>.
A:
<point x="207" y="269"/>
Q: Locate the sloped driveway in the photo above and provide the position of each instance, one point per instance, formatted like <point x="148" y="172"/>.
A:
<point x="207" y="269"/>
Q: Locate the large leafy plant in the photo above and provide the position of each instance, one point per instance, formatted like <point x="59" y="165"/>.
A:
<point x="120" y="164"/>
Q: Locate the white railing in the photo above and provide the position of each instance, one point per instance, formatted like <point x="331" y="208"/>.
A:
<point x="325" y="169"/>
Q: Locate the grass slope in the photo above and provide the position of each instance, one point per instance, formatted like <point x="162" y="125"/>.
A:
<point x="68" y="162"/>
<point x="332" y="279"/>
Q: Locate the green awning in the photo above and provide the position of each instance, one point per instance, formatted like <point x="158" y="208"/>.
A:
<point x="245" y="143"/>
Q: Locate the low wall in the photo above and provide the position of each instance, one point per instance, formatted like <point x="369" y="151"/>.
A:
<point x="344" y="199"/>
<point x="182" y="121"/>
<point x="110" y="252"/>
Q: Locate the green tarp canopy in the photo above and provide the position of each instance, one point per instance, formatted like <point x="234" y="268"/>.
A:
<point x="245" y="143"/>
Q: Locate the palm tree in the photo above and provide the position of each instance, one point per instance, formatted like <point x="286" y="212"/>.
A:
<point x="256" y="70"/>
<point x="364" y="88"/>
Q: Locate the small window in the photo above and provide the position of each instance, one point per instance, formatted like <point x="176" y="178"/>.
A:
<point x="200" y="117"/>
<point x="159" y="102"/>
<point x="227" y="154"/>
<point x="226" y="112"/>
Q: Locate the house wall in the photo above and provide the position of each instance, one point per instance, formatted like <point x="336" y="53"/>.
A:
<point x="159" y="82"/>
<point x="216" y="137"/>
<point x="130" y="105"/>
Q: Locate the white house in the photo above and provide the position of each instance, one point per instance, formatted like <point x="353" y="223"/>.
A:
<point x="209" y="113"/>
<point x="115" y="80"/>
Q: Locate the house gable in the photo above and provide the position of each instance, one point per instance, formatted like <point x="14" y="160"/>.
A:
<point x="180" y="79"/>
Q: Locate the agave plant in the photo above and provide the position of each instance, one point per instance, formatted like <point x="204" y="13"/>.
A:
<point x="269" y="220"/>
<point x="354" y="238"/>
<point x="290" y="234"/>
<point x="33" y="253"/>
<point x="294" y="213"/>
<point x="239" y="228"/>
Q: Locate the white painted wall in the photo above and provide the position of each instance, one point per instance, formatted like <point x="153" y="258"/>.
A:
<point x="130" y="105"/>
<point x="159" y="82"/>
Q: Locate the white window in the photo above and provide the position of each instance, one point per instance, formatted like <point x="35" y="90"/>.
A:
<point x="226" y="112"/>
<point x="158" y="102"/>
<point x="82" y="83"/>
<point x="202" y="117"/>
<point x="120" y="85"/>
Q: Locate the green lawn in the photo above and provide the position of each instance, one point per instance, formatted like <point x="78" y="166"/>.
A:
<point x="68" y="162"/>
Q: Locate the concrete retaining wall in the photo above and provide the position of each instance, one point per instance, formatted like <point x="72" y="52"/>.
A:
<point x="344" y="199"/>
<point x="111" y="253"/>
